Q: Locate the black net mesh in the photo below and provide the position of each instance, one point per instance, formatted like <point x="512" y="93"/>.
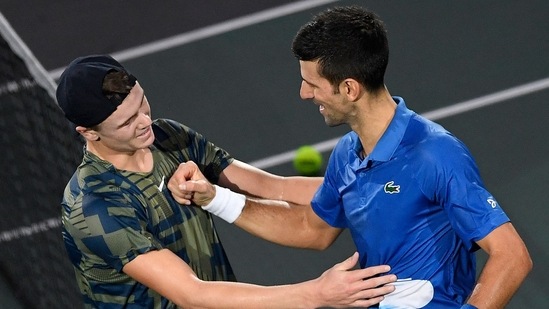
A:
<point x="40" y="156"/>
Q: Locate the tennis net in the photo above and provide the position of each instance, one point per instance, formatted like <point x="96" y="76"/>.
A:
<point x="40" y="154"/>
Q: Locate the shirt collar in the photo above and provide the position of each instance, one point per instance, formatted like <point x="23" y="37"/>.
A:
<point x="90" y="157"/>
<point x="391" y="138"/>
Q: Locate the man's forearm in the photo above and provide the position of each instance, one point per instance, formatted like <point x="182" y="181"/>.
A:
<point x="339" y="286"/>
<point x="497" y="283"/>
<point x="286" y="224"/>
<point x="504" y="272"/>
<point x="300" y="190"/>
<point x="246" y="179"/>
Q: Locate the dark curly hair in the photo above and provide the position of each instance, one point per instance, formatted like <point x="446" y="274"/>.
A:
<point x="347" y="42"/>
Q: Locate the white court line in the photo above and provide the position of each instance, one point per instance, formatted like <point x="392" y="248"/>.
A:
<point x="436" y="114"/>
<point x="209" y="31"/>
<point x="284" y="10"/>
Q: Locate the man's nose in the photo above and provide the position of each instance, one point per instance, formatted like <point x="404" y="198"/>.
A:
<point x="145" y="119"/>
<point x="306" y="91"/>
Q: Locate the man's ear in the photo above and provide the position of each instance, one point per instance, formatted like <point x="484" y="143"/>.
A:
<point x="87" y="133"/>
<point x="351" y="88"/>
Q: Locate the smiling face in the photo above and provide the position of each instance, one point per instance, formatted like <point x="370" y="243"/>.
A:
<point x="332" y="104"/>
<point x="129" y="127"/>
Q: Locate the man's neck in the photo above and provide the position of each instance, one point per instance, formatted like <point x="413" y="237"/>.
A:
<point x="374" y="117"/>
<point x="140" y="161"/>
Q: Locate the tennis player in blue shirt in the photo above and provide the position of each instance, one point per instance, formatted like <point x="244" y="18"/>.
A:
<point x="408" y="190"/>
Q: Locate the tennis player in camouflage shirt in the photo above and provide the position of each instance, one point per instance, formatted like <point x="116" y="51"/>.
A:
<point x="133" y="246"/>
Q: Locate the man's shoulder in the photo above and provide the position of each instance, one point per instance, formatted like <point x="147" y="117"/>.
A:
<point x="168" y="129"/>
<point x="92" y="167"/>
<point x="432" y="146"/>
<point x="426" y="134"/>
<point x="169" y="125"/>
<point x="161" y="122"/>
<point x="347" y="141"/>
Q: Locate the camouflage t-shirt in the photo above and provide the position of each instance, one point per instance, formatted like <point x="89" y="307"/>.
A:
<point x="111" y="216"/>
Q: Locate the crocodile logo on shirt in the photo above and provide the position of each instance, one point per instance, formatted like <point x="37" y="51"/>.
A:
<point x="391" y="188"/>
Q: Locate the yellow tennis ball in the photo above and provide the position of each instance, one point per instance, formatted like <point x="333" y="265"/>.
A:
<point x="308" y="161"/>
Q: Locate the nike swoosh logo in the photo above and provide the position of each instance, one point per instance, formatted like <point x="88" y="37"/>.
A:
<point x="161" y="186"/>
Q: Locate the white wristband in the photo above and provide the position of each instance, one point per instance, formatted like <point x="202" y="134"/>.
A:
<point x="226" y="204"/>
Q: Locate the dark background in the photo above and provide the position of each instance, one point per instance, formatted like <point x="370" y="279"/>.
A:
<point x="240" y="89"/>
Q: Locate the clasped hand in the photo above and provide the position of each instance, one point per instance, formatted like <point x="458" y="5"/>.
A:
<point x="188" y="185"/>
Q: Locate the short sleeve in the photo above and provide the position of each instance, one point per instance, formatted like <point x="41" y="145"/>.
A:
<point x="458" y="188"/>
<point x="112" y="229"/>
<point x="327" y="202"/>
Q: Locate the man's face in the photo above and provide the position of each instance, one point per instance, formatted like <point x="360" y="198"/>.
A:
<point x="318" y="89"/>
<point x="129" y="127"/>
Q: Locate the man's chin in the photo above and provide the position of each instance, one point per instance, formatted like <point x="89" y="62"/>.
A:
<point x="331" y="123"/>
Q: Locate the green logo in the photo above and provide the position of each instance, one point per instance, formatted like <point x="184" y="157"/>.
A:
<point x="391" y="188"/>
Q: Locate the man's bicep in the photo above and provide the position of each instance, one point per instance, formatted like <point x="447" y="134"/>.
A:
<point x="502" y="238"/>
<point x="327" y="233"/>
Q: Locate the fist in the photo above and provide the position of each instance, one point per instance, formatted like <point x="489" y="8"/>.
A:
<point x="188" y="185"/>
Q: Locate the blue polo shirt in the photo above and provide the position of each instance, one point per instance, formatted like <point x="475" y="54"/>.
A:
<point x="416" y="203"/>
